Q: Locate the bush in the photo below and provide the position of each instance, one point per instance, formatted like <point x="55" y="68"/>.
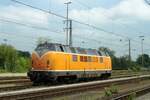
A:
<point x="132" y="96"/>
<point x="23" y="64"/>
<point x="111" y="90"/>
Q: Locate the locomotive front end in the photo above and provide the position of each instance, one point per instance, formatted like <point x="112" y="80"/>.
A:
<point x="41" y="64"/>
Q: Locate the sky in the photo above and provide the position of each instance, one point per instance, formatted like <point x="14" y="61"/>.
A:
<point x="122" y="20"/>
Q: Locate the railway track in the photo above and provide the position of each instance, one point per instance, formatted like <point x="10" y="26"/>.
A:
<point x="8" y="83"/>
<point x="131" y="93"/>
<point x="14" y="79"/>
<point x="23" y="82"/>
<point x="115" y="74"/>
<point x="11" y="87"/>
<point x="24" y="79"/>
<point x="44" y="92"/>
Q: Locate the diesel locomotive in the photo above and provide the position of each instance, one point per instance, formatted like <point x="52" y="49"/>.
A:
<point x="57" y="62"/>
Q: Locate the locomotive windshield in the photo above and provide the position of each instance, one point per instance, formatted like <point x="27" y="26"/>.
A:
<point x="43" y="48"/>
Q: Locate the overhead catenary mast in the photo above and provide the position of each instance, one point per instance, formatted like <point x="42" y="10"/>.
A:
<point x="129" y="52"/>
<point x="70" y="33"/>
<point x="142" y="60"/>
<point x="68" y="27"/>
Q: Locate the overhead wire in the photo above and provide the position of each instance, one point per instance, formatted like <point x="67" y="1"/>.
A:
<point x="26" y="37"/>
<point x="113" y="21"/>
<point x="82" y="23"/>
<point x="28" y="25"/>
<point x="54" y="31"/>
<point x="81" y="3"/>
<point x="63" y="17"/>
<point x="86" y="24"/>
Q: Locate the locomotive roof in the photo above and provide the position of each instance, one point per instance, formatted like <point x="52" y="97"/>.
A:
<point x="64" y="48"/>
<point x="46" y="43"/>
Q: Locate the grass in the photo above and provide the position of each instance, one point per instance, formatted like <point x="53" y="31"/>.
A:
<point x="109" y="91"/>
<point x="3" y="71"/>
<point x="132" y="96"/>
<point x="18" y="70"/>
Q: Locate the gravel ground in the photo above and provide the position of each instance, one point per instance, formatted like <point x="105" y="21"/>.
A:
<point x="144" y="97"/>
<point x="97" y="94"/>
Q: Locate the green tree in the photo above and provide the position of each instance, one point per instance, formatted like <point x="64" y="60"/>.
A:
<point x="117" y="62"/>
<point x="12" y="60"/>
<point x="120" y="63"/>
<point x="146" y="60"/>
<point x="124" y="62"/>
<point x="8" y="56"/>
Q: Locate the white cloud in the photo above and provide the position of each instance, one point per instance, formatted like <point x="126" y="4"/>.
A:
<point x="95" y="14"/>
<point x="23" y="14"/>
<point x="132" y="8"/>
<point x="127" y="11"/>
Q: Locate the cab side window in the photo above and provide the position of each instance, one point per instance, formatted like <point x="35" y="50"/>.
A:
<point x="58" y="48"/>
<point x="61" y="48"/>
<point x="103" y="53"/>
<point x="66" y="49"/>
<point x="99" y="53"/>
<point x="73" y="50"/>
<point x="106" y="53"/>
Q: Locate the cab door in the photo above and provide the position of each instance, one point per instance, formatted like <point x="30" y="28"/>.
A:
<point x="67" y="58"/>
<point x="68" y="62"/>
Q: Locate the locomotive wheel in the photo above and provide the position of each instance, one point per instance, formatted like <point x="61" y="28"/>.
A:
<point x="37" y="78"/>
<point x="105" y="76"/>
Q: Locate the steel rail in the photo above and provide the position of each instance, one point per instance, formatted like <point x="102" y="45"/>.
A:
<point x="14" y="81"/>
<point x="34" y="93"/>
<point x="135" y="93"/>
<point x="12" y="77"/>
<point x="12" y="87"/>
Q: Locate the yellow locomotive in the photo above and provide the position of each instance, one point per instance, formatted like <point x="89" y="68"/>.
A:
<point x="56" y="62"/>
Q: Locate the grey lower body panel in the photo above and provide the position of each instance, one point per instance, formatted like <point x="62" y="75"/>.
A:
<point x="78" y="73"/>
<point x="55" y="74"/>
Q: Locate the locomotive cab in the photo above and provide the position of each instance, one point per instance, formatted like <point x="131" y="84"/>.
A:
<point x="41" y="62"/>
